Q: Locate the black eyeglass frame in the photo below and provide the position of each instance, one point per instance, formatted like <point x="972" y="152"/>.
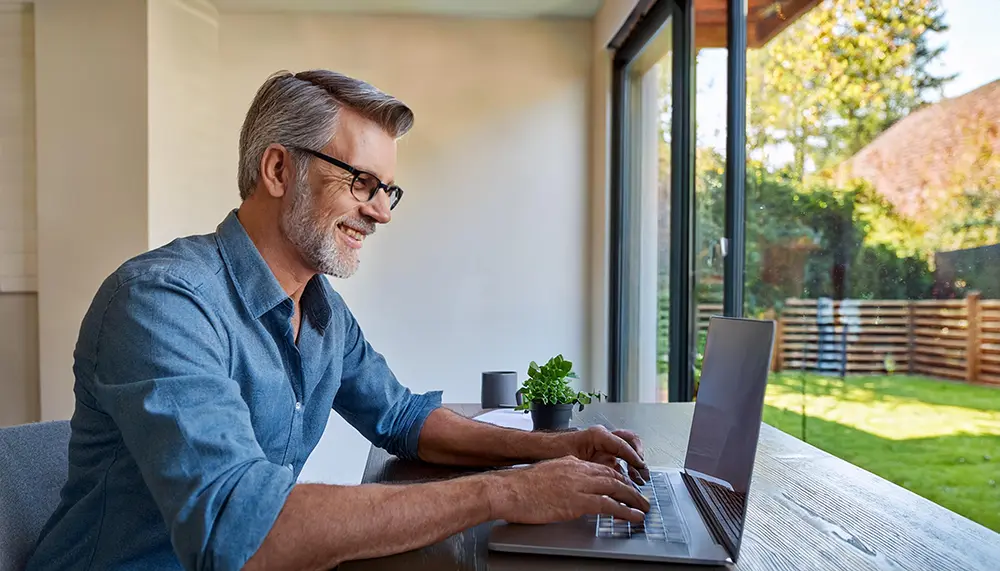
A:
<point x="389" y="189"/>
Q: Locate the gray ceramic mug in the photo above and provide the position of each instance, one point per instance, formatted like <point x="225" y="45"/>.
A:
<point x="499" y="390"/>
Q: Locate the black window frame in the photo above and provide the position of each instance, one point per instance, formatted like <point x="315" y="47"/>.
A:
<point x="643" y="24"/>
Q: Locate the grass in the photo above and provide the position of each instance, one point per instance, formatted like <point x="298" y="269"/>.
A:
<point x="938" y="439"/>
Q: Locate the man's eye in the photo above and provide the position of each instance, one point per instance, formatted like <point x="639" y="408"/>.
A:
<point x="365" y="182"/>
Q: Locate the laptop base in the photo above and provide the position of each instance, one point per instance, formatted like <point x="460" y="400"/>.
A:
<point x="578" y="538"/>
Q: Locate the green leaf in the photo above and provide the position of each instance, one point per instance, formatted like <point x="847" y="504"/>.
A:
<point x="550" y="384"/>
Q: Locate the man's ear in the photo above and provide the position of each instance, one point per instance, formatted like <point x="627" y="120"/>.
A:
<point x="276" y="171"/>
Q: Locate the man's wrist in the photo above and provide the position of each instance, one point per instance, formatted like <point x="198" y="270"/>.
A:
<point x="548" y="445"/>
<point x="490" y="490"/>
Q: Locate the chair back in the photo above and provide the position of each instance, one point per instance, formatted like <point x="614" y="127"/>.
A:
<point x="33" y="468"/>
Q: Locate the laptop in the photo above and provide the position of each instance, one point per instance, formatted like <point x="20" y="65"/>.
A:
<point x="696" y="513"/>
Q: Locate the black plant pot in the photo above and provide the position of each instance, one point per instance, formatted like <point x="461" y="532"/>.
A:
<point x="550" y="416"/>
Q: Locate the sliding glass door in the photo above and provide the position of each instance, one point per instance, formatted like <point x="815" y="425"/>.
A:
<point x="650" y="220"/>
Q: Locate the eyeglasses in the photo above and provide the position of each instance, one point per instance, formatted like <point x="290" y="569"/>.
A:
<point x="364" y="185"/>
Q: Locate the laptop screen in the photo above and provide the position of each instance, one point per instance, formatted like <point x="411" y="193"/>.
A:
<point x="727" y="413"/>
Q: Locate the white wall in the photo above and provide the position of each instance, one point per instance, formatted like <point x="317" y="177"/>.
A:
<point x="485" y="264"/>
<point x="607" y="22"/>
<point x="91" y="154"/>
<point x="183" y="61"/>
<point x="127" y="152"/>
<point x="18" y="267"/>
<point x="18" y="358"/>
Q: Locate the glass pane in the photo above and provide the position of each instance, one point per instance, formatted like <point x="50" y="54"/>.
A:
<point x="663" y="83"/>
<point x="648" y="232"/>
<point x="873" y="237"/>
<point x="710" y="173"/>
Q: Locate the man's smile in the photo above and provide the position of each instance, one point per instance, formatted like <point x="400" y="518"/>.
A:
<point x="354" y="237"/>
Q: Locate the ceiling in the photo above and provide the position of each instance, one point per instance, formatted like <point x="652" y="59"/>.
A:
<point x="765" y="20"/>
<point x="463" y="8"/>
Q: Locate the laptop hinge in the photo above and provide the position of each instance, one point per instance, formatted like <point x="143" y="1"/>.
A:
<point x="708" y="516"/>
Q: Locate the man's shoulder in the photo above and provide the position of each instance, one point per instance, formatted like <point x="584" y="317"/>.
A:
<point x="193" y="261"/>
<point x="168" y="295"/>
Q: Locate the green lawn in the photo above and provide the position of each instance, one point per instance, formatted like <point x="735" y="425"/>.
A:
<point x="938" y="439"/>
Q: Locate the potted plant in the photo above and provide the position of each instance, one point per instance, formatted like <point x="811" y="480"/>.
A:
<point x="547" y="394"/>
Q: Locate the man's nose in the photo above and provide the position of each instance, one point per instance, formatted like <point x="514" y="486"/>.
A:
<point x="378" y="208"/>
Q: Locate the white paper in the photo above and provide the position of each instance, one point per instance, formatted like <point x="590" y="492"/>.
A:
<point x="507" y="418"/>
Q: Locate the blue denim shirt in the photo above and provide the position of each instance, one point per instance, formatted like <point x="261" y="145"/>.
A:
<point x="196" y="409"/>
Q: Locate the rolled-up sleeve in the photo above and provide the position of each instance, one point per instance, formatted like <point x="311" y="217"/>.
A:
<point x="372" y="400"/>
<point x="161" y="374"/>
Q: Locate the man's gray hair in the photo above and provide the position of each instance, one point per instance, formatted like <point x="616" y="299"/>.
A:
<point x="300" y="111"/>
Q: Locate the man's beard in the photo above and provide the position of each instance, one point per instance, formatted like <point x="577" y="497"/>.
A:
<point x="317" y="242"/>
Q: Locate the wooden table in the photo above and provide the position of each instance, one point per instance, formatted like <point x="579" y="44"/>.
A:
<point x="808" y="510"/>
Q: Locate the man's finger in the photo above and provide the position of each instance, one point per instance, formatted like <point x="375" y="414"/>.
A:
<point x="637" y="476"/>
<point x="614" y="472"/>
<point x="631" y="474"/>
<point x="623" y="492"/>
<point x="609" y="460"/>
<point x="606" y="506"/>
<point x="624" y="450"/>
<point x="633" y="440"/>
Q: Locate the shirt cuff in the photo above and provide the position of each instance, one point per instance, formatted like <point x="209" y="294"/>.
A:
<point x="419" y="408"/>
<point x="251" y="510"/>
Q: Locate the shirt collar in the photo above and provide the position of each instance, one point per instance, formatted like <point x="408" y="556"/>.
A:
<point x="255" y="282"/>
<point x="316" y="302"/>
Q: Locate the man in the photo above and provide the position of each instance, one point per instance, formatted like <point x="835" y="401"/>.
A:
<point x="206" y="370"/>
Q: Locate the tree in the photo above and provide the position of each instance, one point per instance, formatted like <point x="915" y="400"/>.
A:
<point x="812" y="239"/>
<point x="841" y="75"/>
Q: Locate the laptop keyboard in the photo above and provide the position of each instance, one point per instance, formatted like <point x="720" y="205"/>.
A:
<point x="663" y="521"/>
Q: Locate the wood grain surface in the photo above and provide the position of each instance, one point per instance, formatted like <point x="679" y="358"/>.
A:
<point x="808" y="510"/>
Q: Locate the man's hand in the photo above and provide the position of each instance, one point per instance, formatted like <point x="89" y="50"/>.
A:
<point x="562" y="490"/>
<point x="447" y="438"/>
<point x="598" y="444"/>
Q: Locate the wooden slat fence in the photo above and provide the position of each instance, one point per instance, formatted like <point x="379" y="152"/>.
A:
<point x="878" y="341"/>
<point x="951" y="339"/>
<point x="704" y="313"/>
<point x="940" y="338"/>
<point x="989" y="341"/>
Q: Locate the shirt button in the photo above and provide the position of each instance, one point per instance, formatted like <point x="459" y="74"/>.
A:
<point x="290" y="468"/>
<point x="298" y="405"/>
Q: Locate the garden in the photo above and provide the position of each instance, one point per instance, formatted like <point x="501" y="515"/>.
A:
<point x="938" y="439"/>
<point x="843" y="106"/>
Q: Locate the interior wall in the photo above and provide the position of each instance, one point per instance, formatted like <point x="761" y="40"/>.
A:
<point x="484" y="264"/>
<point x="91" y="130"/>
<point x="18" y="358"/>
<point x="607" y="22"/>
<point x="183" y="61"/>
<point x="18" y="266"/>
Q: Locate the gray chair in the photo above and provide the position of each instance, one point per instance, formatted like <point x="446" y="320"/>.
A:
<point x="33" y="467"/>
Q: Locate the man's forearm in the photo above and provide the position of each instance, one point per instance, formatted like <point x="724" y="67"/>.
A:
<point x="449" y="438"/>
<point x="321" y="526"/>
